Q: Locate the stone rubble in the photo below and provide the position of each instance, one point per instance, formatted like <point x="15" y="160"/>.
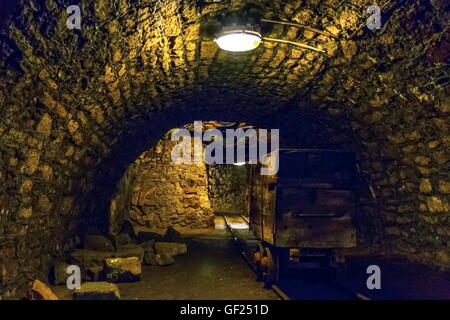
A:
<point x="97" y="243"/>
<point x="130" y="250"/>
<point x="97" y="291"/>
<point x="40" y="291"/>
<point x="124" y="264"/>
<point x="170" y="248"/>
<point x="123" y="269"/>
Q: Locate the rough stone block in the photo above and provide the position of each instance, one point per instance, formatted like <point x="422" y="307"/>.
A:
<point x="40" y="291"/>
<point x="148" y="246"/>
<point x="97" y="291"/>
<point x="155" y="259"/>
<point x="88" y="258"/>
<point x="123" y="269"/>
<point x="97" y="243"/>
<point x="170" y="248"/>
<point x="130" y="250"/>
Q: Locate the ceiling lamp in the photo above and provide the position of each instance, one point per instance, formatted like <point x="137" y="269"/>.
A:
<point x="238" y="39"/>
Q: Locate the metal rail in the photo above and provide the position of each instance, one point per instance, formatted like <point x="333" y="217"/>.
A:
<point x="275" y="288"/>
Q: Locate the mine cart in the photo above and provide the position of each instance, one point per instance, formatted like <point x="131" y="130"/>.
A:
<point x="303" y="215"/>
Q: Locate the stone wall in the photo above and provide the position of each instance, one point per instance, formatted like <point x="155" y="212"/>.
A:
<point x="166" y="194"/>
<point x="228" y="188"/>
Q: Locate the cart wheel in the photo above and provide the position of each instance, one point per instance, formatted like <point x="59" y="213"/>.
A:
<point x="272" y="269"/>
<point x="259" y="253"/>
<point x="259" y="260"/>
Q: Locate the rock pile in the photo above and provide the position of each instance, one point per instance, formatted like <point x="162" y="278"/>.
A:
<point x="105" y="261"/>
<point x="97" y="291"/>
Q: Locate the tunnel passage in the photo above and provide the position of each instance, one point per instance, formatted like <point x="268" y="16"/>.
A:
<point x="156" y="193"/>
<point x="79" y="106"/>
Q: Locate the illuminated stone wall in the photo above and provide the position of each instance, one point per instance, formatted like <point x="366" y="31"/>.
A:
<point x="164" y="194"/>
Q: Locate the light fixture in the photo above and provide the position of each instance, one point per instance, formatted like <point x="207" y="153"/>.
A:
<point x="238" y="39"/>
<point x="239" y="163"/>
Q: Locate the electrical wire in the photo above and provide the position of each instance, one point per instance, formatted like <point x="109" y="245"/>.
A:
<point x="297" y="44"/>
<point x="300" y="26"/>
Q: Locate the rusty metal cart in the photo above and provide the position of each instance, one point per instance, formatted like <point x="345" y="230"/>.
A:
<point x="303" y="215"/>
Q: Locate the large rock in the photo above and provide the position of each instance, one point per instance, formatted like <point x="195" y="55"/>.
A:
<point x="40" y="291"/>
<point x="170" y="248"/>
<point x="123" y="269"/>
<point x="97" y="243"/>
<point x="58" y="273"/>
<point x="149" y="259"/>
<point x="97" y="291"/>
<point x="155" y="259"/>
<point x="164" y="259"/>
<point x="130" y="250"/>
<point x="172" y="235"/>
<point x="88" y="258"/>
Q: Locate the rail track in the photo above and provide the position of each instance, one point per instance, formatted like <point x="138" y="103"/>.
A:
<point x="241" y="246"/>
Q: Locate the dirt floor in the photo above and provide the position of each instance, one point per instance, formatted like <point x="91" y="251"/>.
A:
<point x="212" y="270"/>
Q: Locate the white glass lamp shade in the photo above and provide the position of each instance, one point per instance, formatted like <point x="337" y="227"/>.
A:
<point x="238" y="40"/>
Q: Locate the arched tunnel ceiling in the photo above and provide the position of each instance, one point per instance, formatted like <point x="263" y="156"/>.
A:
<point x="131" y="58"/>
<point x="125" y="47"/>
<point x="78" y="106"/>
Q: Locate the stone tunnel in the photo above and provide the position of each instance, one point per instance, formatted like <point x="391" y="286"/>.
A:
<point x="80" y="107"/>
